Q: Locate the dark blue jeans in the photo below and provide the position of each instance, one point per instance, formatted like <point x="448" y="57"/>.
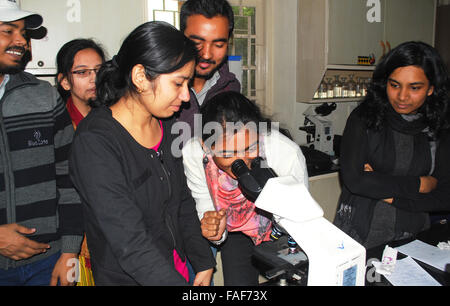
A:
<point x="38" y="273"/>
<point x="191" y="269"/>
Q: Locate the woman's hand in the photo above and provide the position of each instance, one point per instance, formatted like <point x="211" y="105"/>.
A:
<point x="368" y="168"/>
<point x="427" y="184"/>
<point x="203" y="278"/>
<point x="213" y="224"/>
<point x="65" y="270"/>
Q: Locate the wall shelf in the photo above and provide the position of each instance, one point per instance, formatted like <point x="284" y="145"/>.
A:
<point x="337" y="100"/>
<point x="332" y="34"/>
<point x="352" y="67"/>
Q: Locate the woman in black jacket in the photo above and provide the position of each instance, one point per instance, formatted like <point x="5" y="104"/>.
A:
<point x="140" y="218"/>
<point x="395" y="148"/>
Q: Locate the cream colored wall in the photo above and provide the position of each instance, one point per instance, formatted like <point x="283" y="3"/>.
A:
<point x="281" y="38"/>
<point x="106" y="21"/>
<point x="281" y="18"/>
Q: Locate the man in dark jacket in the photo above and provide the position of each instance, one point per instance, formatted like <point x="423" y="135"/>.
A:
<point x="210" y="24"/>
<point x="40" y="211"/>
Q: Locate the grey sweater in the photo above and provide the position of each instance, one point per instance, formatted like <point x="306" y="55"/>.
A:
<point x="35" y="189"/>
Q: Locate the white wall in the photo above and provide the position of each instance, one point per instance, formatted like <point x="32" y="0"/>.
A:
<point x="281" y="37"/>
<point x="107" y="21"/>
<point x="281" y="20"/>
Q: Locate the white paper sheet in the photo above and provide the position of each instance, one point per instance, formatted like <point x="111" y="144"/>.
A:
<point x="426" y="253"/>
<point x="407" y="272"/>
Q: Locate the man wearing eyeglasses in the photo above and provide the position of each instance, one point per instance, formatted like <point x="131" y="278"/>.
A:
<point x="40" y="212"/>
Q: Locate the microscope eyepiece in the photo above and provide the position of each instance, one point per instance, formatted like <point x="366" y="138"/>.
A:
<point x="251" y="181"/>
<point x="256" y="163"/>
<point x="239" y="168"/>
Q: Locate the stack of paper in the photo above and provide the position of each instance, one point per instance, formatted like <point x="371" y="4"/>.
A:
<point x="407" y="272"/>
<point x="426" y="253"/>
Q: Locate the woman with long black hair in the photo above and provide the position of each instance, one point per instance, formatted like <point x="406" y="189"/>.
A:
<point x="141" y="221"/>
<point x="395" y="147"/>
<point x="78" y="62"/>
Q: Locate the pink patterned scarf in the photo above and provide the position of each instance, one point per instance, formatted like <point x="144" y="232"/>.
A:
<point x="242" y="214"/>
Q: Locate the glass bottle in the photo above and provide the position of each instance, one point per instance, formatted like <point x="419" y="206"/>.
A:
<point x="330" y="92"/>
<point x="363" y="88"/>
<point x="351" y="86"/>
<point x="358" y="88"/>
<point x="323" y="88"/>
<point x="369" y="81"/>
<point x="316" y="94"/>
<point x="344" y="87"/>
<point x="337" y="87"/>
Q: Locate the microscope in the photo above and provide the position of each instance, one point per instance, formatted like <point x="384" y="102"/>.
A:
<point x="334" y="258"/>
<point x="320" y="133"/>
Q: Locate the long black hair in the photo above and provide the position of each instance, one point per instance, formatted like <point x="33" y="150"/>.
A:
<point x="230" y="107"/>
<point x="65" y="58"/>
<point x="436" y="109"/>
<point x="158" y="46"/>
